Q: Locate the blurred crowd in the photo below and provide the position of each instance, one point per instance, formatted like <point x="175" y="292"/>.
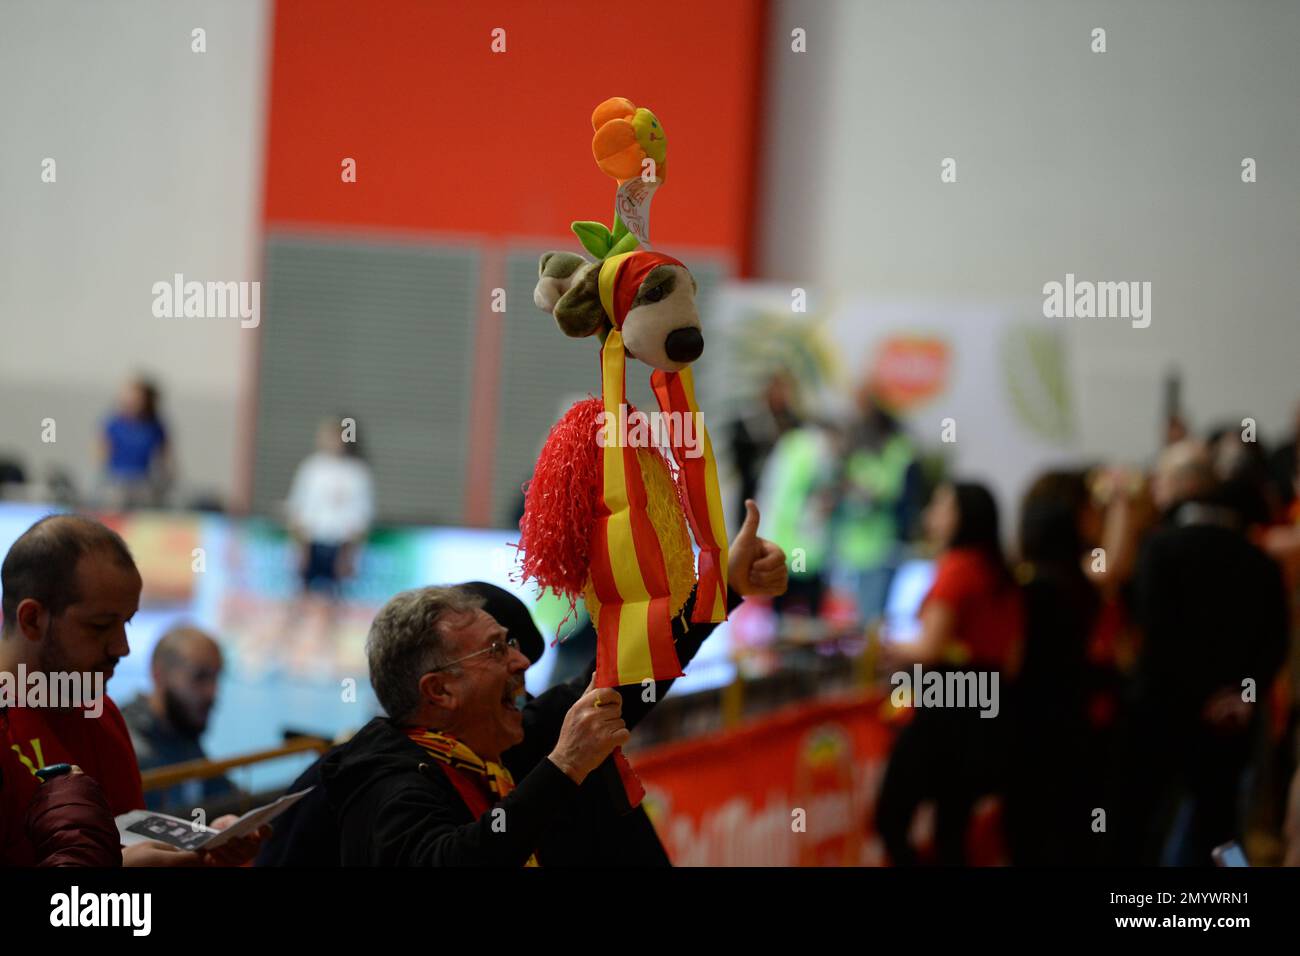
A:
<point x="1141" y="622"/>
<point x="1141" y="619"/>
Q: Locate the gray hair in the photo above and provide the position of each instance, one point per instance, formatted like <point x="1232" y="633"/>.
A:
<point x="406" y="641"/>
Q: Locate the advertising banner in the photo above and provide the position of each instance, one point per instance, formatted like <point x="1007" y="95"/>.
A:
<point x="796" y="788"/>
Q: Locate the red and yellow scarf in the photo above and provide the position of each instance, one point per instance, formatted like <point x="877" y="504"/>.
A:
<point x="480" y="783"/>
<point x="627" y="562"/>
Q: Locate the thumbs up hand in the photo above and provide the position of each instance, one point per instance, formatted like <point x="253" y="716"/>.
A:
<point x="755" y="565"/>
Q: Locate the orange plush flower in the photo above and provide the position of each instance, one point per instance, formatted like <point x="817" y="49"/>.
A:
<point x="625" y="138"/>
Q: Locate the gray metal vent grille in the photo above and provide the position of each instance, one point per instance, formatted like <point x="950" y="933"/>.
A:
<point x="382" y="333"/>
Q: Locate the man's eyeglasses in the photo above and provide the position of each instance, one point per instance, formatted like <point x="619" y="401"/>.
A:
<point x="499" y="649"/>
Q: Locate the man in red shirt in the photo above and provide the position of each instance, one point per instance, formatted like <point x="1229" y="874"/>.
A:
<point x="70" y="587"/>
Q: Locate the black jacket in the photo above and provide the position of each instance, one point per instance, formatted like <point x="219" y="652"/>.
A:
<point x="395" y="806"/>
<point x="381" y="800"/>
<point x="1213" y="610"/>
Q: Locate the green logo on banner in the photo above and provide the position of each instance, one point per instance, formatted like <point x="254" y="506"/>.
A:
<point x="1033" y="366"/>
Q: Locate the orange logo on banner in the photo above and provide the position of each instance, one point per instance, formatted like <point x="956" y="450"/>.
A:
<point x="910" y="369"/>
<point x="163" y="546"/>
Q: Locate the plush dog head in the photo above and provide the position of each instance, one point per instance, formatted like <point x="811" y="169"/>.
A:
<point x="650" y="297"/>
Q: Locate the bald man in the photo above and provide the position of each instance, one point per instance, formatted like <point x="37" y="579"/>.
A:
<point x="166" y="723"/>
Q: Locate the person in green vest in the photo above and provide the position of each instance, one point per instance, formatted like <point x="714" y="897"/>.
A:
<point x="877" y="488"/>
<point x="795" y="493"/>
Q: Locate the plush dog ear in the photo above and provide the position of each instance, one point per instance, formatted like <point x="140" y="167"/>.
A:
<point x="578" y="311"/>
<point x="555" y="273"/>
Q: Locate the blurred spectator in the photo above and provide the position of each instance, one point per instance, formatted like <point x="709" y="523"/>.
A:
<point x="1282" y="540"/>
<point x="1214" y="619"/>
<point x="1241" y="468"/>
<point x="60" y="489"/>
<point x="134" y="450"/>
<point x="1283" y="465"/>
<point x="1066" y="691"/>
<point x="970" y="621"/>
<point x="795" y="493"/>
<point x="1183" y="473"/>
<point x="1125" y="501"/>
<point x="167" y="723"/>
<point x="1291" y="825"/>
<point x="877" y="491"/>
<point x="331" y="505"/>
<point x="1176" y="430"/>
<point x="11" y="473"/>
<point x="755" y="434"/>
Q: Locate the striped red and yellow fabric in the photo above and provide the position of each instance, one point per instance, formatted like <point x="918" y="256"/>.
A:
<point x="635" y="640"/>
<point x="676" y="393"/>
<point x="628" y="574"/>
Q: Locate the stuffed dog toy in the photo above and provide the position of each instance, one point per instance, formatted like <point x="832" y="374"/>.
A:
<point x="614" y="492"/>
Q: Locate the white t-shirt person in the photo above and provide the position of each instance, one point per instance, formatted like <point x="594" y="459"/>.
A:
<point x="332" y="499"/>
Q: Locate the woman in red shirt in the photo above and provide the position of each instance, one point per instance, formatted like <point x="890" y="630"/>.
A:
<point x="971" y="621"/>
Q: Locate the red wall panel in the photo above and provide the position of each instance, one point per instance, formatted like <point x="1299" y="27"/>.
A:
<point x="451" y="137"/>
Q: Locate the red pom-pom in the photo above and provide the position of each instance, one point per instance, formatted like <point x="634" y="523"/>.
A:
<point x="560" y="504"/>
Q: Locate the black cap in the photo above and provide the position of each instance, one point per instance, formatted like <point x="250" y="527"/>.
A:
<point x="512" y="614"/>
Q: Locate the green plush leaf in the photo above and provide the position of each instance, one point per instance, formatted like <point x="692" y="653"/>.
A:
<point x="620" y="227"/>
<point x="594" y="236"/>
<point x="626" y="244"/>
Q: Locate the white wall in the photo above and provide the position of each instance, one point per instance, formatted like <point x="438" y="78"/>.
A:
<point x="1123" y="165"/>
<point x="159" y="159"/>
<point x="1116" y="166"/>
